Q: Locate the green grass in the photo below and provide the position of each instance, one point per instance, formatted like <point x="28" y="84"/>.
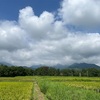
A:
<point x="59" y="91"/>
<point x="54" y="87"/>
<point x="69" y="88"/>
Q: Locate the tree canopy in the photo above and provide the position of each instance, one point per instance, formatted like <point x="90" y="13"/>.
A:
<point x="13" y="71"/>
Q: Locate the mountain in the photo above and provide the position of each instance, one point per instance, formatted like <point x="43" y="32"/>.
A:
<point x="5" y="63"/>
<point x="60" y="66"/>
<point x="83" y="66"/>
<point x="35" y="66"/>
<point x="73" y="66"/>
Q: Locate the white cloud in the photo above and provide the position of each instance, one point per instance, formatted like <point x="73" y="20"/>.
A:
<point x="45" y="40"/>
<point x="37" y="27"/>
<point x="81" y="13"/>
<point x="12" y="36"/>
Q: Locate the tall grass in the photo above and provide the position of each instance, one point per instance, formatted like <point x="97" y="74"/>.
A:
<point x="59" y="91"/>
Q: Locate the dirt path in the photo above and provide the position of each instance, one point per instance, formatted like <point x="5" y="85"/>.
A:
<point x="38" y="95"/>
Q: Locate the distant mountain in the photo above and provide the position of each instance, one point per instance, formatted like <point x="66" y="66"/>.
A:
<point x="83" y="66"/>
<point x="60" y="66"/>
<point x="35" y="66"/>
<point x="5" y="63"/>
<point x="73" y="66"/>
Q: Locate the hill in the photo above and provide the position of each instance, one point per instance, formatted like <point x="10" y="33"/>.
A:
<point x="5" y="63"/>
<point x="83" y="66"/>
<point x="35" y="66"/>
<point x="73" y="66"/>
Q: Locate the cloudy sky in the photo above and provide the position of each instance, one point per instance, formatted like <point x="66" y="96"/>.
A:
<point x="49" y="32"/>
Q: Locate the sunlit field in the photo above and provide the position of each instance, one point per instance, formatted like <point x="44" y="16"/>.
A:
<point x="70" y="88"/>
<point x="52" y="87"/>
<point x="17" y="88"/>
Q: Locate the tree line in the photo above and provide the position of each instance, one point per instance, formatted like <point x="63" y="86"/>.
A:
<point x="13" y="71"/>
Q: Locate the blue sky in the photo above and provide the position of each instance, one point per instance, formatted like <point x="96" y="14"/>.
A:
<point x="49" y="32"/>
<point x="10" y="9"/>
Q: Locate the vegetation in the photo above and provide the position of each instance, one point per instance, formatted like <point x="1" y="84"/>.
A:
<point x="70" y="88"/>
<point x="17" y="83"/>
<point x="47" y="71"/>
<point x="15" y="90"/>
<point x="52" y="88"/>
<point x="13" y="71"/>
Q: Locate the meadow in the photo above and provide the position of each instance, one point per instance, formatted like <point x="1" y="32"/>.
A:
<point x="70" y="88"/>
<point x="51" y="87"/>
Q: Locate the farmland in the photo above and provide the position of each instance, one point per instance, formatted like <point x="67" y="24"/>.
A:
<point x="49" y="88"/>
<point x="16" y="88"/>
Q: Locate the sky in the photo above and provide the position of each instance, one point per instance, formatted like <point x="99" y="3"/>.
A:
<point x="49" y="32"/>
<point x="10" y="10"/>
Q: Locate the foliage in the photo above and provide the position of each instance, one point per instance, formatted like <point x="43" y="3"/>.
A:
<point x="46" y="71"/>
<point x="13" y="71"/>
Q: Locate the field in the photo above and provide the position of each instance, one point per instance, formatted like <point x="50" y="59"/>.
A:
<point x="15" y="90"/>
<point x="70" y="88"/>
<point x="18" y="88"/>
<point x="49" y="88"/>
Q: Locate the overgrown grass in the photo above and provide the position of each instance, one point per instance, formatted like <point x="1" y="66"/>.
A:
<point x="65" y="90"/>
<point x="58" y="91"/>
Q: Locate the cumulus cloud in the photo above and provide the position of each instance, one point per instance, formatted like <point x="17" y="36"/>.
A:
<point x="12" y="37"/>
<point x="81" y="13"/>
<point x="47" y="40"/>
<point x="38" y="27"/>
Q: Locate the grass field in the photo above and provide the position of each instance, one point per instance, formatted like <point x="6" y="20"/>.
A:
<point x="70" y="88"/>
<point x="52" y="87"/>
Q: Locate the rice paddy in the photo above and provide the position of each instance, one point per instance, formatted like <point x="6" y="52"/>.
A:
<point x="51" y="87"/>
<point x="15" y="90"/>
